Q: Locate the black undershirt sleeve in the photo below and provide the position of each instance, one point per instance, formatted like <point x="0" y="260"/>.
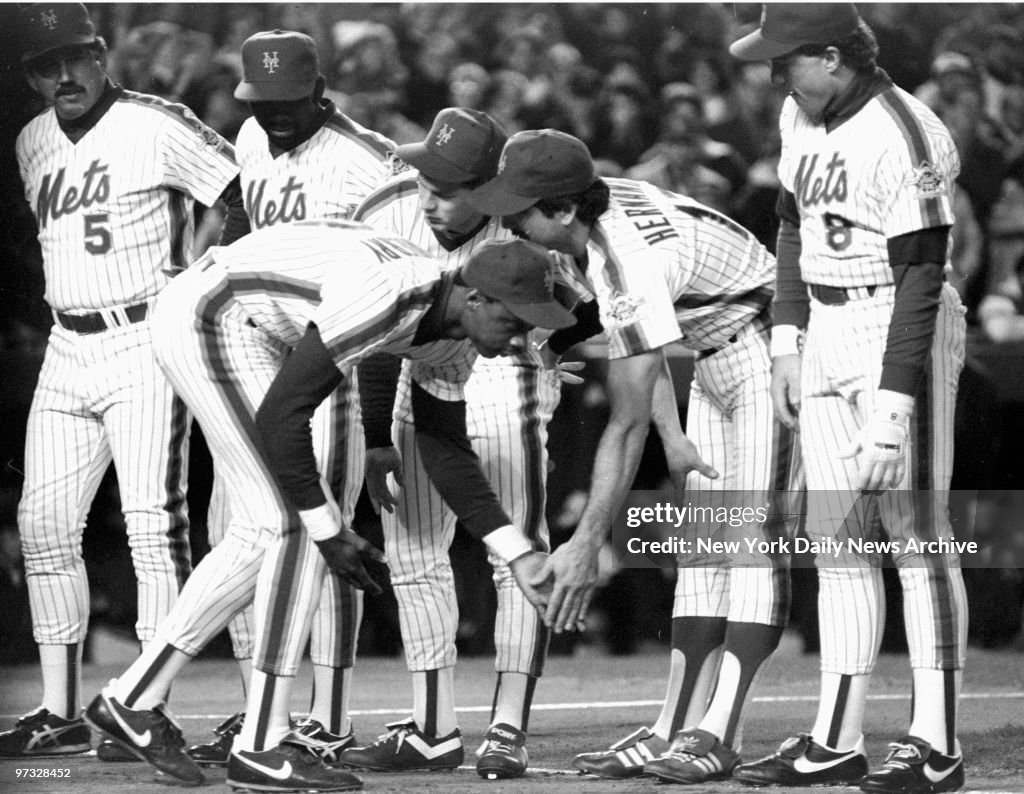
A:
<point x="236" y="223"/>
<point x="451" y="464"/>
<point x="588" y="324"/>
<point x="791" y="305"/>
<point x="282" y="420"/>
<point x="378" y="384"/>
<point x="918" y="273"/>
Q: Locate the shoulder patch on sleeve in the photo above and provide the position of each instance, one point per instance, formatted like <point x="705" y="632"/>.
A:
<point x="926" y="180"/>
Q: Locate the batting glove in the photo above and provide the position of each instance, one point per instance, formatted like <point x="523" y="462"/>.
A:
<point x="883" y="442"/>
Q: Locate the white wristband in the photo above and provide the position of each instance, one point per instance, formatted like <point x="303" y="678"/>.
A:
<point x="786" y="341"/>
<point x="320" y="522"/>
<point x="890" y="402"/>
<point x="508" y="543"/>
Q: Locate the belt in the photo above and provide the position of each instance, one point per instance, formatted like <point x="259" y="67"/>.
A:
<point x="837" y="296"/>
<point x="96" y="322"/>
<point x="712" y="350"/>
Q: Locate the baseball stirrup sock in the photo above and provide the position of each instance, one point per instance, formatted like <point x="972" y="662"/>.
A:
<point x="841" y="711"/>
<point x="434" y="701"/>
<point x="62" y="673"/>
<point x="266" y="715"/>
<point x="154" y="679"/>
<point x="513" y="698"/>
<point x="936" y="697"/>
<point x="747" y="646"/>
<point x="331" y="690"/>
<point x="696" y="653"/>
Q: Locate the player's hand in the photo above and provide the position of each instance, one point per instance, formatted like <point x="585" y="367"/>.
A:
<point x="786" y="390"/>
<point x="563" y="370"/>
<point x="345" y="554"/>
<point x="524" y="570"/>
<point x="381" y="461"/>
<point x="882" y="443"/>
<point x="682" y="457"/>
<point x="571" y="574"/>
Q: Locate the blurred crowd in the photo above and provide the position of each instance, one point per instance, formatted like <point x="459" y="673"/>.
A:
<point x="649" y="87"/>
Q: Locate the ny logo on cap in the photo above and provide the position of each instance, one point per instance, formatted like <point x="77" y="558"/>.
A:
<point x="49" y="19"/>
<point x="270" y="61"/>
<point x="444" y="135"/>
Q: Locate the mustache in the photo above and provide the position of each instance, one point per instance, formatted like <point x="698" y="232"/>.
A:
<point x="69" y="88"/>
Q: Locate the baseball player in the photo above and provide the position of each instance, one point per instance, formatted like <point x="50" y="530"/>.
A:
<point x="510" y="400"/>
<point x="666" y="269"/>
<point x="866" y="212"/>
<point x="112" y="177"/>
<point x="300" y="158"/>
<point x="231" y="340"/>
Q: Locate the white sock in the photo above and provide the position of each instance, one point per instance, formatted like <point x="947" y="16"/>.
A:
<point x="936" y="697"/>
<point x="267" y="712"/>
<point x="841" y="711"/>
<point x="61" y="667"/>
<point x="332" y="687"/>
<point x="433" y="701"/>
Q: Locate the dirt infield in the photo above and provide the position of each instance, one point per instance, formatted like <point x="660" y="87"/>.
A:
<point x="584" y="702"/>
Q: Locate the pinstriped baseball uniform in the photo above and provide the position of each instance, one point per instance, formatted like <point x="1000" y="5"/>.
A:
<point x="224" y="328"/>
<point x="664" y="269"/>
<point x="509" y="402"/>
<point x="114" y="212"/>
<point x="323" y="177"/>
<point x="887" y="171"/>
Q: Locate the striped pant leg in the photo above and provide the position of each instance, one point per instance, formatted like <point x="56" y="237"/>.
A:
<point x="508" y="410"/>
<point x="66" y="456"/>
<point x="241" y="627"/>
<point x="417" y="537"/>
<point x="148" y="427"/>
<point x="221" y="369"/>
<point x="840" y="358"/>
<point x="702" y="583"/>
<point x="764" y="456"/>
<point x="934" y="596"/>
<point x="341" y="453"/>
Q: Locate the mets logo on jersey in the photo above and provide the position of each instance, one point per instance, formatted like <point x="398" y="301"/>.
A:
<point x="623" y="309"/>
<point x="927" y="181"/>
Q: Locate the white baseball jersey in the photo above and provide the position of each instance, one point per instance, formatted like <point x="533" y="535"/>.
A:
<point x="115" y="208"/>
<point x="887" y="170"/>
<point x="114" y="212"/>
<point x="665" y="268"/>
<point x="325" y="176"/>
<point x="509" y="402"/>
<point x="224" y="328"/>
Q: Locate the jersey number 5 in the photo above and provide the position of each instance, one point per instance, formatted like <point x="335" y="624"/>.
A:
<point x="97" y="233"/>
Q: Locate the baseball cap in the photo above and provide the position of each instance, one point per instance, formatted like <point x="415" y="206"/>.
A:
<point x="462" y="145"/>
<point x="278" y="66"/>
<point x="534" y="165"/>
<point x="953" y="62"/>
<point x="786" y="26"/>
<point x="51" y="26"/>
<point x="520" y="274"/>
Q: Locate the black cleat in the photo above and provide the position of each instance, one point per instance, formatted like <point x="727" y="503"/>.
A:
<point x="291" y="766"/>
<point x="40" y="733"/>
<point x="406" y="749"/>
<point x="913" y="767"/>
<point x="216" y="753"/>
<point x="503" y="753"/>
<point x="151" y="734"/>
<point x="801" y="761"/>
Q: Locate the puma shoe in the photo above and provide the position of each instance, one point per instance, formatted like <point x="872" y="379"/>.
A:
<point x="503" y="753"/>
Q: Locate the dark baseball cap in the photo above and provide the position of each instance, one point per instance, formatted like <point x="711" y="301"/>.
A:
<point x="52" y="26"/>
<point x="534" y="165"/>
<point x="463" y="145"/>
<point x="278" y="66"/>
<point x="521" y="275"/>
<point x="786" y="26"/>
